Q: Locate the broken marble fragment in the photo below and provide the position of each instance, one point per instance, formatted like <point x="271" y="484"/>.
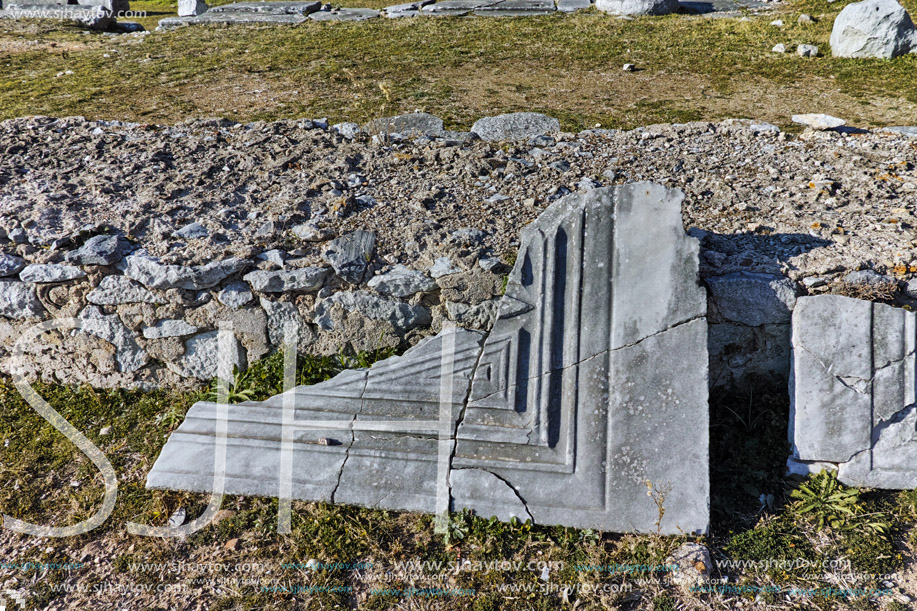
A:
<point x="852" y="390"/>
<point x="583" y="386"/>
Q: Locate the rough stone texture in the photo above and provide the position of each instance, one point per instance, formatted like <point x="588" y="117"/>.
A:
<point x="230" y="18"/>
<point x="637" y="7"/>
<point x="10" y="265"/>
<point x="156" y="275"/>
<point x="455" y="8"/>
<point x="169" y="328"/>
<point x="99" y="250"/>
<point x="50" y="272"/>
<point x="693" y="562"/>
<point x="344" y="14"/>
<point x="407" y="9"/>
<point x="115" y="290"/>
<point x="350" y="254"/>
<point x="235" y="295"/>
<point x="410" y="125"/>
<point x="129" y="356"/>
<point x="873" y="28"/>
<point x="402" y="316"/>
<point x="753" y="299"/>
<point x="517" y="8"/>
<point x="514" y="126"/>
<point x="280" y="313"/>
<point x="852" y="391"/>
<point x="18" y="300"/>
<point x="201" y="359"/>
<point x="269" y="8"/>
<point x="443" y="267"/>
<point x="402" y="282"/>
<point x="304" y="279"/>
<point x="583" y="386"/>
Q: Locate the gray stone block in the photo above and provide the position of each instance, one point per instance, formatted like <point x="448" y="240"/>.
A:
<point x="402" y="316"/>
<point x="268" y="8"/>
<point x="583" y="386"/>
<point x="202" y="356"/>
<point x="517" y="8"/>
<point x="10" y="265"/>
<point x="345" y="14"/>
<point x="409" y="125"/>
<point x="753" y="299"/>
<point x="637" y="7"/>
<point x="116" y="290"/>
<point x="284" y="281"/>
<point x="158" y="276"/>
<point x="852" y="390"/>
<point x="350" y="254"/>
<point x="128" y="355"/>
<point x="514" y="126"/>
<point x="570" y="6"/>
<point x="402" y="282"/>
<point x="18" y="300"/>
<point x="455" y="8"/>
<point x="40" y="273"/>
<point x="99" y="250"/>
<point x="231" y="18"/>
<point x="873" y="28"/>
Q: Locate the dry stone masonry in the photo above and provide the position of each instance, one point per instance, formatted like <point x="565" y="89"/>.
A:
<point x="591" y="386"/>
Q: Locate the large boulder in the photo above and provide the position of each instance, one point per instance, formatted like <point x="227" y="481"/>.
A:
<point x="637" y="7"/>
<point x="873" y="28"/>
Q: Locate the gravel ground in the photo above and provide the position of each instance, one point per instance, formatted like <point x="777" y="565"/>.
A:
<point x="813" y="204"/>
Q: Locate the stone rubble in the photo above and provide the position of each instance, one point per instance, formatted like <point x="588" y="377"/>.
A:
<point x="284" y="203"/>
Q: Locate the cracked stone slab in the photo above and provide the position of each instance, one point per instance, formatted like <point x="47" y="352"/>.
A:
<point x="583" y="386"/>
<point x="517" y="8"/>
<point x="269" y="8"/>
<point x="852" y="390"/>
<point x="341" y="463"/>
<point x="228" y="18"/>
<point x="345" y="14"/>
<point x="455" y="8"/>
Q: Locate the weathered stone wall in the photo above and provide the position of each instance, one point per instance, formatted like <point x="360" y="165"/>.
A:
<point x="148" y="324"/>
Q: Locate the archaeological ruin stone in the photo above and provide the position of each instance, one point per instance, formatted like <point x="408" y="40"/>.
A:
<point x="637" y="7"/>
<point x="852" y="391"/>
<point x="584" y="405"/>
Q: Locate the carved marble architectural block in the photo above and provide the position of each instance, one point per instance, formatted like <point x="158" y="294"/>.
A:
<point x="852" y="391"/>
<point x="590" y="388"/>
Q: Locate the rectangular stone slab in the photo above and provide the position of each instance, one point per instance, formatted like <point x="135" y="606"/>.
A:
<point x="591" y="386"/>
<point x="852" y="390"/>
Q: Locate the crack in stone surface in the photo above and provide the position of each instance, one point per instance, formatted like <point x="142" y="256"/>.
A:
<point x="353" y="437"/>
<point x="461" y="417"/>
<point x="895" y="418"/>
<point x="508" y="485"/>
<point x="592" y="357"/>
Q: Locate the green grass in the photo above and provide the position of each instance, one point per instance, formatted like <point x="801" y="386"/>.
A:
<point x="568" y="66"/>
<point x="37" y="465"/>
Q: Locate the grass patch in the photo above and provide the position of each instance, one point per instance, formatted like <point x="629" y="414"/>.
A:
<point x="460" y="69"/>
<point x="37" y="465"/>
